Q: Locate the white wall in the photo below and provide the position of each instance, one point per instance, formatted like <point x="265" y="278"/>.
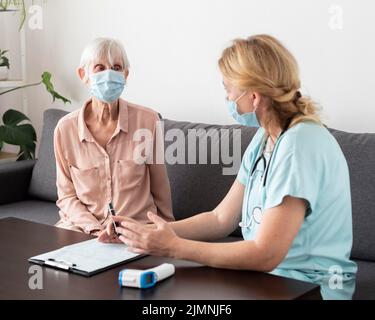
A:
<point x="173" y="47"/>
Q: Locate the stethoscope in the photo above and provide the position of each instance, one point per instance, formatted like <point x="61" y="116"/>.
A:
<point x="257" y="210"/>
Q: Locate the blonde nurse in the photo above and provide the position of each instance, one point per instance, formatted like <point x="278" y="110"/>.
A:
<point x="292" y="193"/>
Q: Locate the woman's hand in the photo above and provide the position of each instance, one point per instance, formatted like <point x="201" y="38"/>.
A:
<point x="96" y="233"/>
<point x="108" y="235"/>
<point x="157" y="239"/>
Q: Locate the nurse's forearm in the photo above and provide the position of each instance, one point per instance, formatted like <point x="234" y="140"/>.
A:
<point x="240" y="255"/>
<point x="204" y="226"/>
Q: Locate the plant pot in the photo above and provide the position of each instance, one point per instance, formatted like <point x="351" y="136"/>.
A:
<point x="7" y="157"/>
<point x="4" y="72"/>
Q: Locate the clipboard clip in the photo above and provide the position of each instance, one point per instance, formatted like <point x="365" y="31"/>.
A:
<point x="61" y="264"/>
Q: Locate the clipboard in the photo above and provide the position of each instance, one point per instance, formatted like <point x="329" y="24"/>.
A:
<point x="86" y="258"/>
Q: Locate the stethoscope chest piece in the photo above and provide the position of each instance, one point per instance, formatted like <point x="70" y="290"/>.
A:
<point x="257" y="214"/>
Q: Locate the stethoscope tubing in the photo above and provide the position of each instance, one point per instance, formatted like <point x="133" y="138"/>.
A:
<point x="245" y="224"/>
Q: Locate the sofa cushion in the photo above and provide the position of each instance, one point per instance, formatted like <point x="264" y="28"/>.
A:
<point x="33" y="210"/>
<point x="15" y="180"/>
<point x="365" y="281"/>
<point x="359" y="151"/>
<point x="43" y="180"/>
<point x="200" y="187"/>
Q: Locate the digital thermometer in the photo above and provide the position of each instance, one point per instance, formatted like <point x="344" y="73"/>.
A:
<point x="145" y="278"/>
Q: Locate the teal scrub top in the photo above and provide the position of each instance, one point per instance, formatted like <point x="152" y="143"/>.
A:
<point x="307" y="163"/>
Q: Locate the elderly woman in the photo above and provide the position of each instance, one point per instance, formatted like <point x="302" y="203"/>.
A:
<point x="96" y="150"/>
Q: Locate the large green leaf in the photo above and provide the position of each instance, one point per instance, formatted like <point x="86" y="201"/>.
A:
<point x="29" y="130"/>
<point x="13" y="117"/>
<point x="19" y="135"/>
<point x="46" y="79"/>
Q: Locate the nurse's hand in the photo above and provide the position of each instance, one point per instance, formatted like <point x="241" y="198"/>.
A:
<point x="157" y="239"/>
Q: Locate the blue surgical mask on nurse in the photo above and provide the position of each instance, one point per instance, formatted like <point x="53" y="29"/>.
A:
<point x="248" y="119"/>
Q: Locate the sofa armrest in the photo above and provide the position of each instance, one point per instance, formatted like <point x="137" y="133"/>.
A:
<point x="14" y="180"/>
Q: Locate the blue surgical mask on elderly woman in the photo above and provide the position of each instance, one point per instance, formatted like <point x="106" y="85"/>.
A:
<point x="246" y="119"/>
<point x="107" y="85"/>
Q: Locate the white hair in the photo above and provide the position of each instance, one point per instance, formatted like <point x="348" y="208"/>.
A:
<point x="103" y="48"/>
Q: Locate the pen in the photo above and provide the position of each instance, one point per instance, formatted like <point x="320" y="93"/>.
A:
<point x="113" y="213"/>
<point x="63" y="261"/>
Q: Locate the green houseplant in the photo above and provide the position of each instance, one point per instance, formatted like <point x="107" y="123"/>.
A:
<point x="15" y="131"/>
<point x="4" y="65"/>
<point x="15" y="5"/>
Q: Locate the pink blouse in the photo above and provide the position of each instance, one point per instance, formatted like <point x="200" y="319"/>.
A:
<point x="89" y="177"/>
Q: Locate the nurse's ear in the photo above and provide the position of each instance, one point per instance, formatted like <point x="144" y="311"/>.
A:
<point x="256" y="99"/>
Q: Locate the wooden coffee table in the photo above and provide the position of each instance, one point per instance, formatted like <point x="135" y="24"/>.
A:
<point x="20" y="240"/>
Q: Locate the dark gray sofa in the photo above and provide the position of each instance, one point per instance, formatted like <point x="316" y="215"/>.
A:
<point x="28" y="188"/>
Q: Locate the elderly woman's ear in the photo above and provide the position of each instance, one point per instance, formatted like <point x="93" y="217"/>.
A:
<point x="126" y="72"/>
<point x="81" y="74"/>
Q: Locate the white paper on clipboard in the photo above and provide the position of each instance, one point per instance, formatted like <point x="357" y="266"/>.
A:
<point x="87" y="256"/>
